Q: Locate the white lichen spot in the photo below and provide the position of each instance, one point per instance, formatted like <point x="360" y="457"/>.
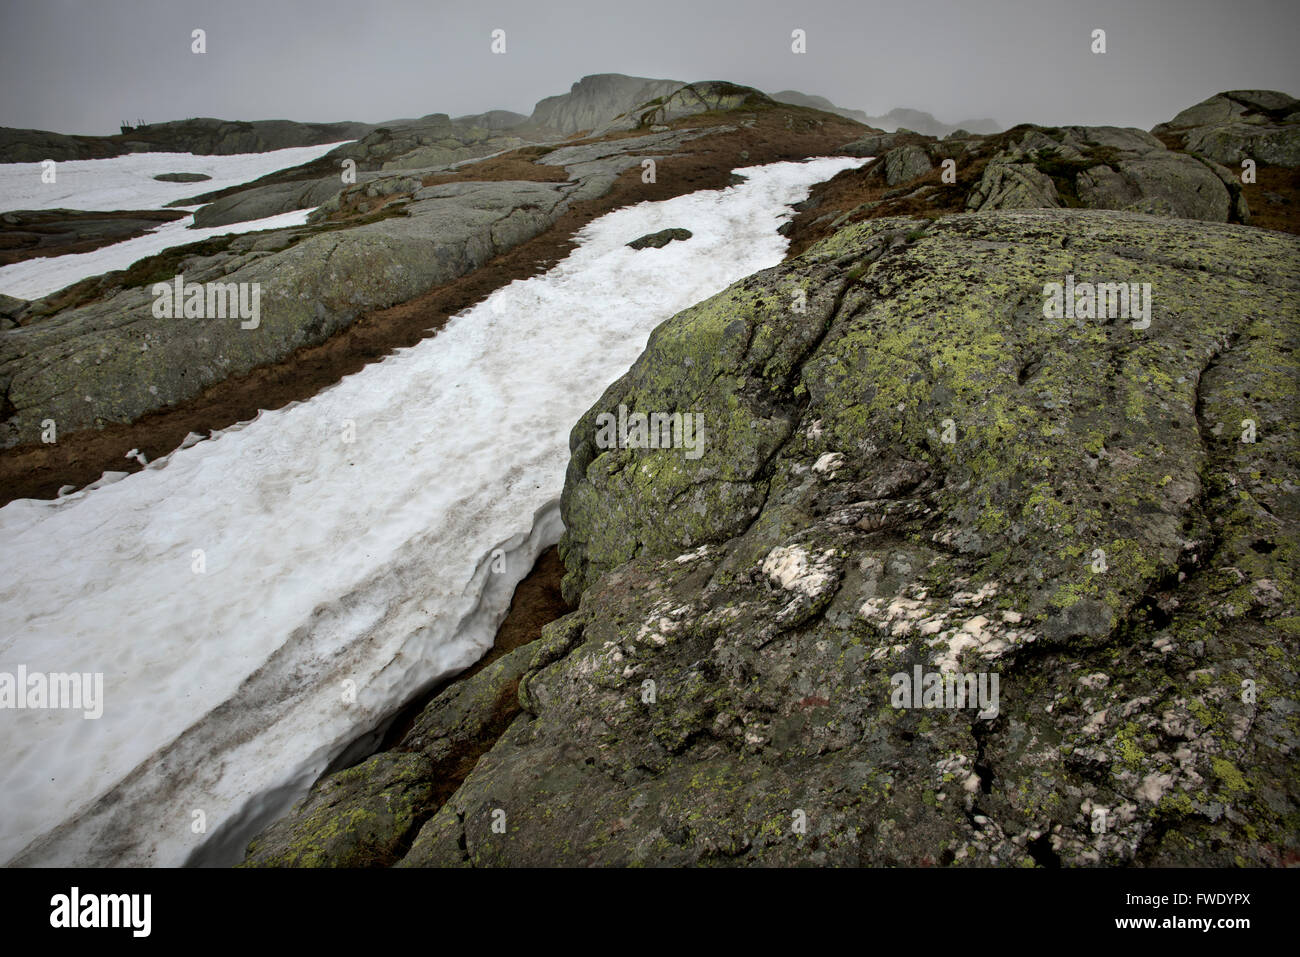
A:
<point x="829" y="464"/>
<point x="793" y="569"/>
<point x="978" y="597"/>
<point x="1154" y="786"/>
<point x="932" y="625"/>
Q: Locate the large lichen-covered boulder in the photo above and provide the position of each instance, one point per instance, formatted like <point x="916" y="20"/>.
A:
<point x="874" y="144"/>
<point x="1230" y="106"/>
<point x="905" y="163"/>
<point x="688" y="100"/>
<point x="1011" y="185"/>
<point x="914" y="463"/>
<point x="595" y="100"/>
<point x="263" y="201"/>
<point x="1263" y="125"/>
<point x="1105" y="167"/>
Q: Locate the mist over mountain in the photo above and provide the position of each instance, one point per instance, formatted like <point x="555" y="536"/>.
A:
<point x="898" y="118"/>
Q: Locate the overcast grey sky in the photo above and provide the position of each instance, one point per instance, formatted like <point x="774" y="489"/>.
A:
<point x="79" y="66"/>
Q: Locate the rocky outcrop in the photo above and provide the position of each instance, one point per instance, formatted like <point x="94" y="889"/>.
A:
<point x="1106" y="167"/>
<point x="435" y="142"/>
<point x="914" y="465"/>
<point x="10" y="309"/>
<point x="367" y="815"/>
<point x="905" y="163"/>
<point x="1263" y="125"/>
<point x="877" y="144"/>
<point x="595" y="100"/>
<point x="597" y="164"/>
<point x="1030" y="167"/>
<point x="1009" y="185"/>
<point x="492" y="120"/>
<point x="431" y="143"/>
<point x="600" y="104"/>
<point x="263" y="201"/>
<point x="690" y="99"/>
<point x="33" y="146"/>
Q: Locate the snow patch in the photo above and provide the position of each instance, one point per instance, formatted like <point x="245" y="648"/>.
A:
<point x="127" y="182"/>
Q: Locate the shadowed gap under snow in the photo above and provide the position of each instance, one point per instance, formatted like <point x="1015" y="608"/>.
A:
<point x="326" y="561"/>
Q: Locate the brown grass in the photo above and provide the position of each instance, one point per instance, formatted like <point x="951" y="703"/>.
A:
<point x="1266" y="213"/>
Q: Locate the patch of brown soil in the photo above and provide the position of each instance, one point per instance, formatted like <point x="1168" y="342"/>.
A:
<point x="1274" y="198"/>
<point x="356" y="207"/>
<point x="1172" y="141"/>
<point x="854" y="195"/>
<point x="518" y="164"/>
<point x="38" y="471"/>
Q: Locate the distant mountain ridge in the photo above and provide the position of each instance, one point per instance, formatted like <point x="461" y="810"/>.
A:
<point x="795" y="98"/>
<point x="591" y="104"/>
<point x="203" y="135"/>
<point x="902" y="118"/>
